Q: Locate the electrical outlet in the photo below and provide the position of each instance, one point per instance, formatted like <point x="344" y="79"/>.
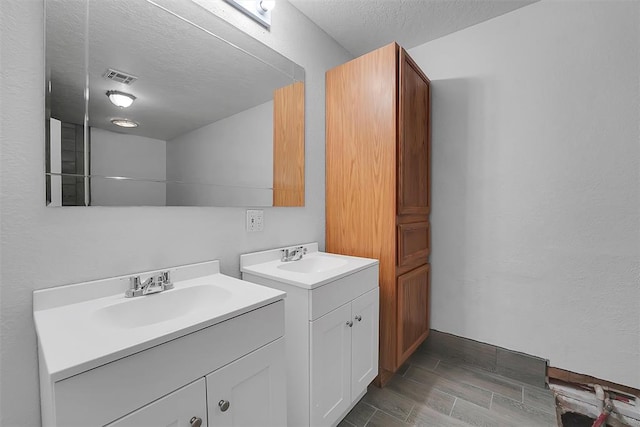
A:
<point x="255" y="220"/>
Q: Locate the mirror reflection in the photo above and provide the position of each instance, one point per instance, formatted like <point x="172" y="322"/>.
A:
<point x="152" y="106"/>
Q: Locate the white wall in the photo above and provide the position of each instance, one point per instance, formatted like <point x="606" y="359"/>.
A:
<point x="43" y="247"/>
<point x="535" y="223"/>
<point x="132" y="156"/>
<point x="235" y="154"/>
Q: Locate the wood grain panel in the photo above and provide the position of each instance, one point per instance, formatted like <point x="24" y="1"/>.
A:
<point x="413" y="139"/>
<point x="288" y="145"/>
<point x="413" y="311"/>
<point x="361" y="170"/>
<point x="413" y="243"/>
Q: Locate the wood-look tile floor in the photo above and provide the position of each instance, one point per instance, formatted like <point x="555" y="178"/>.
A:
<point x="431" y="390"/>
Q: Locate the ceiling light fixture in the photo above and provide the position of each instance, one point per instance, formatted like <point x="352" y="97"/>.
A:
<point x="120" y="99"/>
<point x="267" y="5"/>
<point x="258" y="10"/>
<point x="124" y="123"/>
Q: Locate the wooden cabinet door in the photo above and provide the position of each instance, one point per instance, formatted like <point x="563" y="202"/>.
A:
<point x="364" y="341"/>
<point x="330" y="366"/>
<point x="413" y="311"/>
<point x="250" y="391"/>
<point x="174" y="410"/>
<point x="413" y="139"/>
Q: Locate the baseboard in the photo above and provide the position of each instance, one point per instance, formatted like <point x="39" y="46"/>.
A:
<point x="511" y="364"/>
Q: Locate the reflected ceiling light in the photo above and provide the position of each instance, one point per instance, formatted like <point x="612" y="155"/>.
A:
<point x="266" y="5"/>
<point x="124" y="123"/>
<point x="258" y="10"/>
<point x="120" y="99"/>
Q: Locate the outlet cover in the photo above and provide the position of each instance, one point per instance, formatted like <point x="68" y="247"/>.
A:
<point x="255" y="220"/>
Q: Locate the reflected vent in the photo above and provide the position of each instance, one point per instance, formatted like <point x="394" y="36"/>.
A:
<point x="119" y="76"/>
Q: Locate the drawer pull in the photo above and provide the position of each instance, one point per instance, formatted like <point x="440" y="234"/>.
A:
<point x="196" y="422"/>
<point x="358" y="318"/>
<point x="224" y="405"/>
<point x="349" y="323"/>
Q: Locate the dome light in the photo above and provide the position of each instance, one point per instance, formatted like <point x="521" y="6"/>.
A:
<point x="120" y="99"/>
<point x="266" y="5"/>
<point x="124" y="123"/>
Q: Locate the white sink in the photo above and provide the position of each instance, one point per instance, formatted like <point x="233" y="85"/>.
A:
<point x="314" y="264"/>
<point x="313" y="270"/>
<point x="86" y="325"/>
<point x="166" y="306"/>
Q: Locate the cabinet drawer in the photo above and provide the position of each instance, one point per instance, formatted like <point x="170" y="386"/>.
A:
<point x="88" y="399"/>
<point x="332" y="295"/>
<point x="414" y="243"/>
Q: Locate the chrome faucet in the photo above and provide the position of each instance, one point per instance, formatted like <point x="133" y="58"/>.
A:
<point x="153" y="284"/>
<point x="293" y="254"/>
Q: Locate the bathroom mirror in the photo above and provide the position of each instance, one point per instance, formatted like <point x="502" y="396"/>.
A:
<point x="216" y="118"/>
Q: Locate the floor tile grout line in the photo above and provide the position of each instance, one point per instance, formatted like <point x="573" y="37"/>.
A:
<point x="508" y="383"/>
<point x="480" y="369"/>
<point x="409" y="413"/>
<point x="472" y="385"/>
<point x="440" y="391"/>
<point x="450" y="394"/>
<point x="460" y="382"/>
<point x="371" y="416"/>
<point x="455" y="400"/>
<point x="388" y="414"/>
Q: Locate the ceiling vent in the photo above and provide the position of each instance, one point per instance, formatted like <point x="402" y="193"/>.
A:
<point x="119" y="76"/>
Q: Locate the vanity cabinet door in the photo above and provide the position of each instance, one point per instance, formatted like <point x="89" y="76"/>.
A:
<point x="330" y="365"/>
<point x="182" y="408"/>
<point x="250" y="391"/>
<point x="364" y="344"/>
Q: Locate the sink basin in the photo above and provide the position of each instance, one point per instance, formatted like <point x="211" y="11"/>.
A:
<point x="86" y="325"/>
<point x="315" y="269"/>
<point x="310" y="265"/>
<point x="161" y="307"/>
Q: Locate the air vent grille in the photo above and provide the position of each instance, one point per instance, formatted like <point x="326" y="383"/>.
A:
<point x="119" y="76"/>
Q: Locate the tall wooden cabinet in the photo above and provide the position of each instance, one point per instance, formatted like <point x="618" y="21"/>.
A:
<point x="378" y="187"/>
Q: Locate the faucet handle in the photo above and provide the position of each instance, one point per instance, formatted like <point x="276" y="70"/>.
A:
<point x="134" y="287"/>
<point x="134" y="283"/>
<point x="165" y="279"/>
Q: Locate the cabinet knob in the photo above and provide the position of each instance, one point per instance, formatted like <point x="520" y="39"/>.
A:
<point x="349" y="323"/>
<point x="224" y="405"/>
<point x="196" y="422"/>
<point x="358" y="318"/>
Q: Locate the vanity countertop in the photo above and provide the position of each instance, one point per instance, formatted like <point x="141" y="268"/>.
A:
<point x="313" y="270"/>
<point x="80" y="328"/>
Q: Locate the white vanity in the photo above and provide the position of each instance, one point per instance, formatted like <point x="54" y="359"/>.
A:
<point x="331" y="318"/>
<point x="209" y="352"/>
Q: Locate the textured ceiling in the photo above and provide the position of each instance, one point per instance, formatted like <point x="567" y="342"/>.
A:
<point x="364" y="25"/>
<point x="187" y="77"/>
